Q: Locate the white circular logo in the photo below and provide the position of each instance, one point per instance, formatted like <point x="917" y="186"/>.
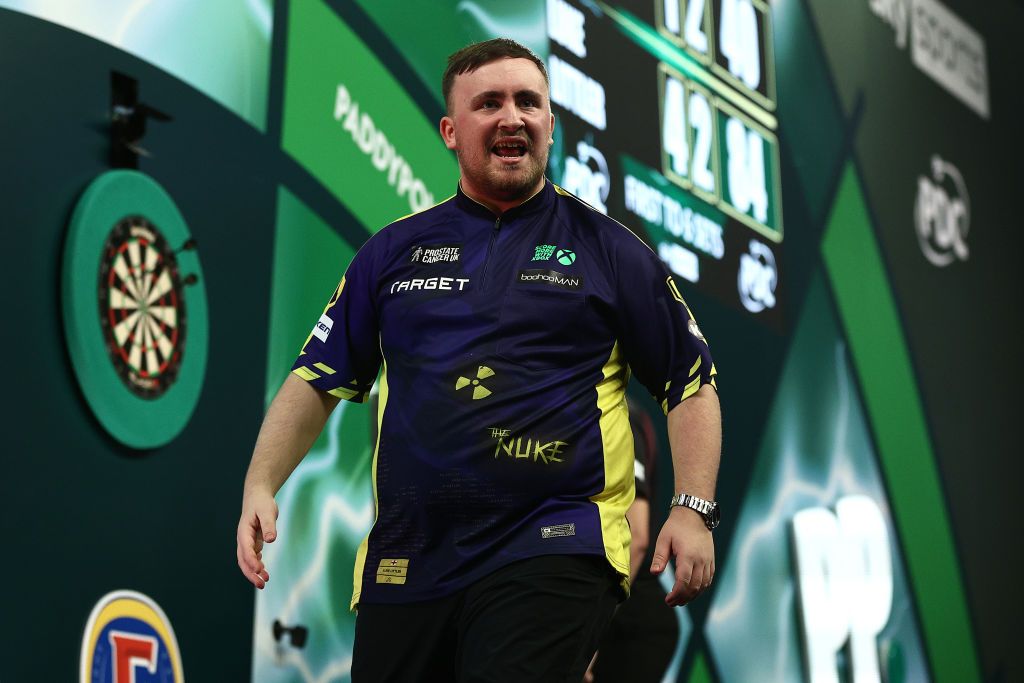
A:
<point x="942" y="214"/>
<point x="758" y="278"/>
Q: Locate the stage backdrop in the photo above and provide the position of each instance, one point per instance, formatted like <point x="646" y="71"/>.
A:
<point x="834" y="186"/>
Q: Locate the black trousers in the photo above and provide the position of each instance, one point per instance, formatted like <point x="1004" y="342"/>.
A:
<point x="535" y="620"/>
<point x="639" y="644"/>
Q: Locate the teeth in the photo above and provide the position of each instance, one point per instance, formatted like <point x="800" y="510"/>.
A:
<point x="510" y="149"/>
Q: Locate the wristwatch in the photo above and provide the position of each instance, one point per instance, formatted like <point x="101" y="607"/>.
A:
<point x="708" y="509"/>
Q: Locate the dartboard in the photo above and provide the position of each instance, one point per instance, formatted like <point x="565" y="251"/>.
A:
<point x="142" y="307"/>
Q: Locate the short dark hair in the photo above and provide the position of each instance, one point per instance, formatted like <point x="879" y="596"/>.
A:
<point x="472" y="57"/>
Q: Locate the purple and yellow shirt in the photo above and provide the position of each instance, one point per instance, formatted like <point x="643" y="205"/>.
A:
<point x="506" y="345"/>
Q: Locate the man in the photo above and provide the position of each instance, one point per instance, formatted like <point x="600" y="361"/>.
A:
<point x="506" y="320"/>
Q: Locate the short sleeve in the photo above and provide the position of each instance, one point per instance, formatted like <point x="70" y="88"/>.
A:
<point x="663" y="345"/>
<point x="342" y="354"/>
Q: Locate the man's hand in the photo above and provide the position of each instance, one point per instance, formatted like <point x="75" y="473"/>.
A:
<point x="257" y="525"/>
<point x="686" y="540"/>
<point x="295" y="418"/>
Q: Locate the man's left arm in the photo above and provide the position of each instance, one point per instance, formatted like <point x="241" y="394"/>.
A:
<point x="695" y="439"/>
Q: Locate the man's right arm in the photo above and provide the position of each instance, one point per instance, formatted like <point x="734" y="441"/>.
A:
<point x="295" y="419"/>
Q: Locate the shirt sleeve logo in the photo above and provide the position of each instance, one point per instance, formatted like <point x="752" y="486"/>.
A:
<point x="323" y="328"/>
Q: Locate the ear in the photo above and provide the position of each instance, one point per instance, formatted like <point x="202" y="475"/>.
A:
<point x="551" y="127"/>
<point x="448" y="131"/>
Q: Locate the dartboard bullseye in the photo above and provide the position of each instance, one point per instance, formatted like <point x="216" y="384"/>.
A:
<point x="142" y="309"/>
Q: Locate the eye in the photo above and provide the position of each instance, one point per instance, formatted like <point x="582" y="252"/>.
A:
<point x="489" y="104"/>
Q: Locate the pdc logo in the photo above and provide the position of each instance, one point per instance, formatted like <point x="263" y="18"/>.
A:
<point x="589" y="183"/>
<point x="128" y="639"/>
<point x="757" y="278"/>
<point x="942" y="214"/>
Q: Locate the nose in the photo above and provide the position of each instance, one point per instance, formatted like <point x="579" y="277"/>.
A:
<point x="511" y="117"/>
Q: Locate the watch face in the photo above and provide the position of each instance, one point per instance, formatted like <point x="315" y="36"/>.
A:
<point x="714" y="517"/>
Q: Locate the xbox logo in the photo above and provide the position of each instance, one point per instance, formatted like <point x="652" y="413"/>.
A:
<point x="565" y="256"/>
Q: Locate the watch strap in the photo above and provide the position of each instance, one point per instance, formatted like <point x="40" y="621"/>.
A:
<point x="708" y="509"/>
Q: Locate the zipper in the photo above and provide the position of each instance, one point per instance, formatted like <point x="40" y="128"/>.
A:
<point x="490" y="245"/>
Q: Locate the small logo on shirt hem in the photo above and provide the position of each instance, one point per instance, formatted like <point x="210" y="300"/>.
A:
<point x="558" y="530"/>
<point x="392" y="571"/>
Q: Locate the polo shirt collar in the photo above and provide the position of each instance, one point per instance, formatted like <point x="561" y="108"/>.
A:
<point x="543" y="199"/>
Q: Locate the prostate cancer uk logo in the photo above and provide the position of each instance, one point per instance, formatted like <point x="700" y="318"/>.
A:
<point x="441" y="253"/>
<point x="128" y="639"/>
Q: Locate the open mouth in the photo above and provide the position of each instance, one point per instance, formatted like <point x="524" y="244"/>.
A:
<point x="510" y="149"/>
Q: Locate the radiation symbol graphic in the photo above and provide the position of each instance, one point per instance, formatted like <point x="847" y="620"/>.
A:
<point x="565" y="256"/>
<point x="479" y="390"/>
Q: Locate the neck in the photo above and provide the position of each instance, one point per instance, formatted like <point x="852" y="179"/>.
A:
<point x="497" y="205"/>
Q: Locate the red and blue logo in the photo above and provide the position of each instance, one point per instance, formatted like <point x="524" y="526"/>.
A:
<point x="128" y="639"/>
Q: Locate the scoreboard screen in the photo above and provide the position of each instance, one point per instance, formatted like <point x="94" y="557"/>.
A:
<point x="670" y="127"/>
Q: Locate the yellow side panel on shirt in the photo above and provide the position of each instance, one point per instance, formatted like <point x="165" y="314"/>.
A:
<point x="619" y="484"/>
<point x="357" y="571"/>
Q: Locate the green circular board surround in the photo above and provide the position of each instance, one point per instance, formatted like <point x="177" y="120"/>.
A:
<point x="134" y="307"/>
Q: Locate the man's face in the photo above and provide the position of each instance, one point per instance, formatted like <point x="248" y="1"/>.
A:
<point x="500" y="126"/>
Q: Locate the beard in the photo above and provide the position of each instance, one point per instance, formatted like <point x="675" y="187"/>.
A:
<point x="503" y="182"/>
